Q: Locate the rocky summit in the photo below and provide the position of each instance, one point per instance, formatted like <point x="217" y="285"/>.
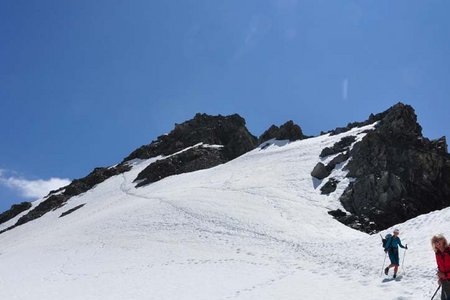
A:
<point x="288" y="131"/>
<point x="397" y="173"/>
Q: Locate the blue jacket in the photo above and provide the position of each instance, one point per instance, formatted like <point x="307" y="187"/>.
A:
<point x="393" y="242"/>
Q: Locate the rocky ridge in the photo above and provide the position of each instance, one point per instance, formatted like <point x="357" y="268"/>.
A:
<point x="398" y="174"/>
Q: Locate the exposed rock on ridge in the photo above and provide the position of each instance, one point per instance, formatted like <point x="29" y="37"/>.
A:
<point x="398" y="173"/>
<point x="287" y="131"/>
<point x="15" y="210"/>
<point x="227" y="131"/>
<point x="196" y="158"/>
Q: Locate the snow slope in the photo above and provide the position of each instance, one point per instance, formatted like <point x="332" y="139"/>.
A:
<point x="254" y="228"/>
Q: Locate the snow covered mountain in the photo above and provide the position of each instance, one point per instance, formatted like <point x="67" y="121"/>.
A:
<point x="253" y="227"/>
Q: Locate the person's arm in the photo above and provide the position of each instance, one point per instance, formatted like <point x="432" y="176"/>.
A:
<point x="440" y="274"/>
<point x="400" y="244"/>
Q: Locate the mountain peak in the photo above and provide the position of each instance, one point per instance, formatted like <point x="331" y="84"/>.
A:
<point x="228" y="131"/>
<point x="287" y="131"/>
<point x="400" y="120"/>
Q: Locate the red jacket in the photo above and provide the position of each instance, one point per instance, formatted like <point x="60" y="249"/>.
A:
<point x="443" y="262"/>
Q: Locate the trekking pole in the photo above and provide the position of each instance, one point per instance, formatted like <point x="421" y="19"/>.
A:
<point x="403" y="261"/>
<point x="436" y="292"/>
<point x="384" y="261"/>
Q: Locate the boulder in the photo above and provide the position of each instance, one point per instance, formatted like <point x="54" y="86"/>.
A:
<point x="320" y="171"/>
<point x="329" y="187"/>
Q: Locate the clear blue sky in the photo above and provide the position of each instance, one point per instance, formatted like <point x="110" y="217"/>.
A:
<point x="83" y="83"/>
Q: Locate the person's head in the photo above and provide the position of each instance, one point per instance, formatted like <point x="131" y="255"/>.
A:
<point x="396" y="232"/>
<point x="439" y="242"/>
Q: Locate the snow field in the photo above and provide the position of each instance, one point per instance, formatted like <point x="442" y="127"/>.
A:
<point x="254" y="228"/>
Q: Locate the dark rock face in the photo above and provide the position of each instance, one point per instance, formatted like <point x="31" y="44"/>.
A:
<point x="341" y="146"/>
<point x="228" y="131"/>
<point x="97" y="176"/>
<point x="51" y="203"/>
<point x="287" y="131"/>
<point x="72" y="210"/>
<point x="355" y="222"/>
<point x="321" y="171"/>
<point x="372" y="119"/>
<point x="15" y="210"/>
<point x="329" y="187"/>
<point x="398" y="173"/>
<point x="194" y="159"/>
<point x="338" y="160"/>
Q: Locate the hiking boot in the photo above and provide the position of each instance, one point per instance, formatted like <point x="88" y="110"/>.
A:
<point x="395" y="275"/>
<point x="386" y="270"/>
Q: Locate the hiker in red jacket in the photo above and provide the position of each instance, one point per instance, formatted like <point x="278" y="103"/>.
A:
<point x="442" y="251"/>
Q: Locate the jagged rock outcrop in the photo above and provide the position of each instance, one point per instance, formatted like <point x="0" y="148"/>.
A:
<point x="398" y="174"/>
<point x="372" y="119"/>
<point x="321" y="171"/>
<point x="227" y="131"/>
<point x="194" y="159"/>
<point x="15" y="210"/>
<point x="341" y="146"/>
<point x="287" y="131"/>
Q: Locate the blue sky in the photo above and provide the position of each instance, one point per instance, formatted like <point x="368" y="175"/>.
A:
<point x="83" y="83"/>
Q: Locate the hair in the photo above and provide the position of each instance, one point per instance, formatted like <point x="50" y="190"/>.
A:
<point x="438" y="237"/>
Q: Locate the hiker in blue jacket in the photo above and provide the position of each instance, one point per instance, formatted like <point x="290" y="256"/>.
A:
<point x="391" y="248"/>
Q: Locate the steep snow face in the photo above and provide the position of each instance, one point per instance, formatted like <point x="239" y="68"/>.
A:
<point x="254" y="228"/>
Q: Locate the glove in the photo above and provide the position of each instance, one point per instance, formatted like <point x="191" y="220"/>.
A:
<point x="385" y="250"/>
<point x="441" y="275"/>
<point x="406" y="246"/>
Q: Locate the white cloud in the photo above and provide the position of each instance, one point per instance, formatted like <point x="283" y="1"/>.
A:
<point x="33" y="189"/>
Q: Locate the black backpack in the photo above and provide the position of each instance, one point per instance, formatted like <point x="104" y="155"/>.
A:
<point x="385" y="239"/>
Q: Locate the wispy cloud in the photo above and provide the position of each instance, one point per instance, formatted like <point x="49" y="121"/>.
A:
<point x="257" y="28"/>
<point x="286" y="12"/>
<point x="31" y="189"/>
<point x="345" y="89"/>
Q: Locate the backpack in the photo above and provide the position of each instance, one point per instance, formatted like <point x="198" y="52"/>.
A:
<point x="385" y="239"/>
